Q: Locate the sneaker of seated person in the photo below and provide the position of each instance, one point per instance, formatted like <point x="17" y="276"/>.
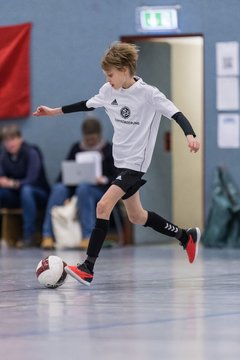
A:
<point x="47" y="243"/>
<point x="25" y="243"/>
<point x="84" y="244"/>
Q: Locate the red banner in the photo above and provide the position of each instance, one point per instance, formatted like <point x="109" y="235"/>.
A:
<point x="15" y="71"/>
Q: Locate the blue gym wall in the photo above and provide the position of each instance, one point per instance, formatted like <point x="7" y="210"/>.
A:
<point x="68" y="39"/>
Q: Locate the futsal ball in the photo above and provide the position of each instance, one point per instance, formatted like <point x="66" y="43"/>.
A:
<point x="50" y="272"/>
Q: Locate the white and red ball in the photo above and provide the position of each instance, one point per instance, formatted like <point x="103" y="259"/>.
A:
<point x="50" y="272"/>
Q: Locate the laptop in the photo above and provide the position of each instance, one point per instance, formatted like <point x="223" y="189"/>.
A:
<point x="86" y="168"/>
<point x="74" y="173"/>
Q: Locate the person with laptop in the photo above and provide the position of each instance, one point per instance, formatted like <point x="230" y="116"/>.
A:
<point x="88" y="191"/>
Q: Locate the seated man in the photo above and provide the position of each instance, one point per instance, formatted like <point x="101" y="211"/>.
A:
<point x="88" y="194"/>
<point x="23" y="182"/>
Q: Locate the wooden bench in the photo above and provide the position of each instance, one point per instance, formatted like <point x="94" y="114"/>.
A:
<point x="11" y="227"/>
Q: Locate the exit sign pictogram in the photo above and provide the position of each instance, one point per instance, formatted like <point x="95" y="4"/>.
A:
<point x="157" y="18"/>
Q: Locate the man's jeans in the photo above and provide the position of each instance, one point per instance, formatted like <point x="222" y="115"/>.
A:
<point x="29" y="198"/>
<point x="88" y="195"/>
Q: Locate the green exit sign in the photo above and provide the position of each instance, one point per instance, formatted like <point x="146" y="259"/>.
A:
<point x="157" y="18"/>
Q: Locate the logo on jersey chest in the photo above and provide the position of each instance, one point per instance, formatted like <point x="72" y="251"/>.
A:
<point x="114" y="102"/>
<point x="125" y="112"/>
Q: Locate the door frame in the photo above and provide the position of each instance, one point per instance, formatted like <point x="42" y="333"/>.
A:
<point x="149" y="38"/>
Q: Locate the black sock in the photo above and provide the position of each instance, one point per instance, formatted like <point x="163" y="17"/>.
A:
<point x="90" y="262"/>
<point x="96" y="241"/>
<point x="165" y="227"/>
<point x="183" y="236"/>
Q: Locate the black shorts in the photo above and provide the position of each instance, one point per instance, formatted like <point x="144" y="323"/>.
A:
<point x="129" y="181"/>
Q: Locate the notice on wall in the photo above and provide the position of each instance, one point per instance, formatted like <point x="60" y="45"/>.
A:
<point x="227" y="93"/>
<point x="227" y="58"/>
<point x="228" y="131"/>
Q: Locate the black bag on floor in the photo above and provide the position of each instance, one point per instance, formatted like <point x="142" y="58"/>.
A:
<point x="223" y="223"/>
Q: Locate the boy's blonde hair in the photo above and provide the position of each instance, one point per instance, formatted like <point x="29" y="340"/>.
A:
<point x="121" y="55"/>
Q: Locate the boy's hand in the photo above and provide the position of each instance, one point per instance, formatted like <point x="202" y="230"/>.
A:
<point x="47" y="111"/>
<point x="193" y="144"/>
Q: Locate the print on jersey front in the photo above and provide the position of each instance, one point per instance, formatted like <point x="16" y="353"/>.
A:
<point x="135" y="114"/>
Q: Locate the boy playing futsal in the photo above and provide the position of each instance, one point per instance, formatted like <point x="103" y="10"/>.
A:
<point x="135" y="109"/>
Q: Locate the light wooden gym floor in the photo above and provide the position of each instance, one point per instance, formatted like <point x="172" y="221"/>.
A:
<point x="145" y="303"/>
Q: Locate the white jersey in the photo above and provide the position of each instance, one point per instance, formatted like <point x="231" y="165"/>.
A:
<point x="135" y="114"/>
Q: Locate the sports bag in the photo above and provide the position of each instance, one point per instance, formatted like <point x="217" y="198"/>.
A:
<point x="66" y="226"/>
<point x="223" y="223"/>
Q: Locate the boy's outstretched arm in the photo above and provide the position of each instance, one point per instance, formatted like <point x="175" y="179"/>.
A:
<point x="47" y="111"/>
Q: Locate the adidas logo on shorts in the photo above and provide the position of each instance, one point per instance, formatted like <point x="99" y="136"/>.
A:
<point x="119" y="177"/>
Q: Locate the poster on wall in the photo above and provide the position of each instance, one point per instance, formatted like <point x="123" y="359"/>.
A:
<point x="227" y="93"/>
<point x="228" y="131"/>
<point x="227" y="58"/>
